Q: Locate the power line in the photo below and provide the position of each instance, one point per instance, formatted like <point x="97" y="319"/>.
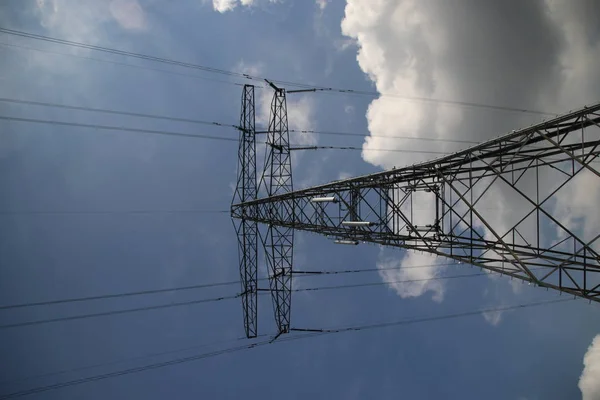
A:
<point x="130" y="371"/>
<point x="124" y="53"/>
<point x="429" y="319"/>
<point x="122" y="360"/>
<point x="427" y="139"/>
<point x="360" y="270"/>
<point x="186" y="303"/>
<point x="116" y="128"/>
<point x="308" y="333"/>
<point x="306" y="87"/>
<point x="122" y="64"/>
<point x="117" y="312"/>
<point x="221" y="124"/>
<point x="432" y="100"/>
<point x="189" y="135"/>
<point x="209" y="137"/>
<point x="115" y="112"/>
<point x="205" y="285"/>
<point x="121" y="295"/>
<point x="358" y="285"/>
<point x="354" y="148"/>
<point x="106" y="212"/>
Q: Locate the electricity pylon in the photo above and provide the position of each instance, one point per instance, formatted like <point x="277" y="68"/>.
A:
<point x="246" y="228"/>
<point x="278" y="240"/>
<point x="533" y="170"/>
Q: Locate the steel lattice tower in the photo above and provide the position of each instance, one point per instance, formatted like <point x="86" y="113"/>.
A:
<point x="530" y="167"/>
<point x="245" y="226"/>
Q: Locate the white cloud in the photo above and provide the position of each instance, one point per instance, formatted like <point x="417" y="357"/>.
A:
<point x="83" y="20"/>
<point x="589" y="382"/>
<point x="321" y="4"/>
<point x="547" y="58"/>
<point x="128" y="13"/>
<point x="420" y="276"/>
<point x="223" y="6"/>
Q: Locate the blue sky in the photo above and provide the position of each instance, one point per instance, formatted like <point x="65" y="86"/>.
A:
<point x="534" y="62"/>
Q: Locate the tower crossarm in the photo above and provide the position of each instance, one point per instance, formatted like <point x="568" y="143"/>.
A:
<point x="442" y="206"/>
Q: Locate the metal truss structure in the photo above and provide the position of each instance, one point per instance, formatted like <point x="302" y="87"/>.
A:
<point x="246" y="228"/>
<point x="533" y="170"/>
<point x="278" y="240"/>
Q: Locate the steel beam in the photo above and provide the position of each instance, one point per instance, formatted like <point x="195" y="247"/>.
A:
<point x="244" y="221"/>
<point x="458" y="184"/>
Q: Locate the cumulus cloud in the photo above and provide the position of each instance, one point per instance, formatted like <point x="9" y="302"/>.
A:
<point x="420" y="277"/>
<point x="547" y="57"/>
<point x="589" y="382"/>
<point x="128" y="13"/>
<point x="223" y="6"/>
<point x="83" y="20"/>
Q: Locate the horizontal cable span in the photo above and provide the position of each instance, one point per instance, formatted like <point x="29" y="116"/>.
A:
<point x="307" y="333"/>
<point x="221" y="124"/>
<point x="187" y="135"/>
<point x="306" y="87"/>
<point x="203" y="286"/>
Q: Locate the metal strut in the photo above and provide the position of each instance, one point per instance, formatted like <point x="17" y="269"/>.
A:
<point x="532" y="168"/>
<point x="244" y="216"/>
<point x="278" y="241"/>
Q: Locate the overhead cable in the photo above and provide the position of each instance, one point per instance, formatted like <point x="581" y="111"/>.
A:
<point x="222" y="124"/>
<point x="231" y="297"/>
<point x="189" y="135"/>
<point x="115" y="312"/>
<point x="305" y="86"/>
<point x="205" y="285"/>
<point x="305" y="334"/>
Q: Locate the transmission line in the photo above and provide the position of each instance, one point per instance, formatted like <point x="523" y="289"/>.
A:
<point x="354" y="148"/>
<point x="221" y="124"/>
<point x="428" y="319"/>
<point x="205" y="285"/>
<point x="202" y="136"/>
<point x="121" y="63"/>
<point x="376" y="269"/>
<point x="116" y="312"/>
<point x="117" y="128"/>
<point x="304" y="86"/>
<point x="100" y="212"/>
<point x="124" y="53"/>
<point x="121" y="295"/>
<point x="195" y="136"/>
<point x="123" y="360"/>
<point x="383" y="283"/>
<point x="307" y="333"/>
<point x="426" y="139"/>
<point x="431" y="100"/>
<point x="114" y="112"/>
<point x="262" y="291"/>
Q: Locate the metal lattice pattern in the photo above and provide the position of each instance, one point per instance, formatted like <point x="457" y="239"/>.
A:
<point x="278" y="240"/>
<point x="529" y="169"/>
<point x="245" y="225"/>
